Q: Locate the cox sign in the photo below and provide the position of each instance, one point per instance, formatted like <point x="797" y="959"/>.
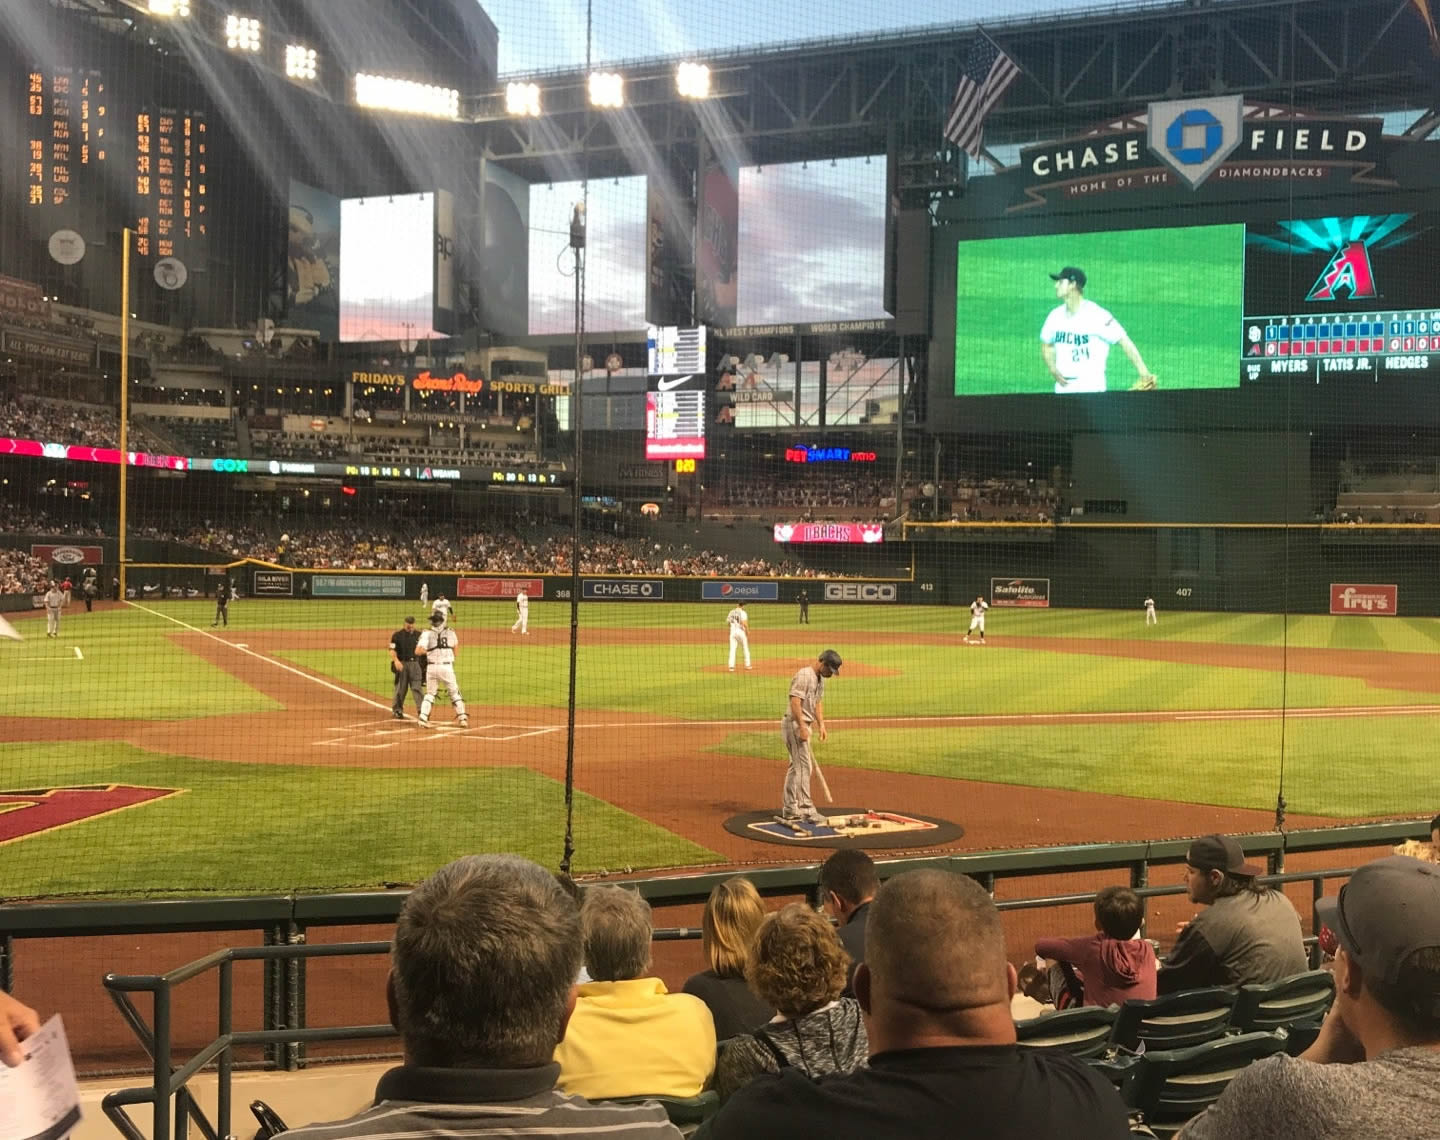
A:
<point x="861" y="592"/>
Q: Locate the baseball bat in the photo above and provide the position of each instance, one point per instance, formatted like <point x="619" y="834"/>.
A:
<point x="824" y="786"/>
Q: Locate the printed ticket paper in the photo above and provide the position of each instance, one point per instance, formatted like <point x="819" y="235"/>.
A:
<point x="41" y="1100"/>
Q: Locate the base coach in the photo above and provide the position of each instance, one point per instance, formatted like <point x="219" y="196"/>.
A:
<point x="409" y="671"/>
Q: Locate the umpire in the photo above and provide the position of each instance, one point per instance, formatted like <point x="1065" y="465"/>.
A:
<point x="409" y="670"/>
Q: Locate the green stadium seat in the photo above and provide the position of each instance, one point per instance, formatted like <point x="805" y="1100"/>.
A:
<point x="1172" y="1085"/>
<point x="1300" y="998"/>
<point x="1174" y="1021"/>
<point x="1081" y="1032"/>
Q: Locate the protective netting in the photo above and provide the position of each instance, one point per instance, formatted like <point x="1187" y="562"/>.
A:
<point x="950" y="347"/>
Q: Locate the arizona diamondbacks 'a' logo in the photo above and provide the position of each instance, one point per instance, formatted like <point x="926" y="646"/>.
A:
<point x="30" y="811"/>
<point x="1348" y="272"/>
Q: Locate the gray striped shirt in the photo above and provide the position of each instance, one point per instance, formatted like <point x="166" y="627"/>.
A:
<point x="413" y="1103"/>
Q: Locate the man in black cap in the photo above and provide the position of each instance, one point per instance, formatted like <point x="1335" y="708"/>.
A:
<point x="805" y="714"/>
<point x="1076" y="338"/>
<point x="1374" y="1070"/>
<point x="407" y="668"/>
<point x="1247" y="933"/>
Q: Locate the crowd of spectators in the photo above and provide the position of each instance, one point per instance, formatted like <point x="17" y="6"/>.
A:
<point x="21" y="573"/>
<point x="867" y="494"/>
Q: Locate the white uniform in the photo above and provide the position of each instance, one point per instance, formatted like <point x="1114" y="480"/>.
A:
<point x="1082" y="341"/>
<point x="977" y="618"/>
<point x="439" y="645"/>
<point x="424" y="591"/>
<point x="441" y="605"/>
<point x="54" y="602"/>
<point x="522" y="613"/>
<point x="1150" y="618"/>
<point x="739" y="634"/>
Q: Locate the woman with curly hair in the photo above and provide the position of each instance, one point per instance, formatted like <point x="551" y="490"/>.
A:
<point x="798" y="966"/>
<point x="732" y="915"/>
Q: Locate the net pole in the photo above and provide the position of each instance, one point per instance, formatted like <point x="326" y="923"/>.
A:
<point x="124" y="397"/>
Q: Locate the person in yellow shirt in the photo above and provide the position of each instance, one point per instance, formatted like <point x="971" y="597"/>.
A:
<point x="629" y="1036"/>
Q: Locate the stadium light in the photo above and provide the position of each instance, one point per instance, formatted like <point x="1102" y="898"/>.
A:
<point x="386" y="93"/>
<point x="692" y="81"/>
<point x="177" y="8"/>
<point x="607" y="89"/>
<point x="522" y="99"/>
<point x="242" y="33"/>
<point x="299" y="61"/>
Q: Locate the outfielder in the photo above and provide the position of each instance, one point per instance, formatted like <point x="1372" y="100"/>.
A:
<point x="977" y="619"/>
<point x="522" y="613"/>
<point x="1076" y="338"/>
<point x="424" y="591"/>
<point x="1150" y="618"/>
<point x="739" y="633"/>
<point x="804" y="715"/>
<point x="442" y="606"/>
<point x="437" y="645"/>
<point x="54" y="603"/>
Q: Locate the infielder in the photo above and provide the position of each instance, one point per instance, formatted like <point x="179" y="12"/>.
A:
<point x="54" y="603"/>
<point x="437" y="645"/>
<point x="442" y="606"/>
<point x="1150" y="618"/>
<point x="522" y="613"/>
<point x="739" y="622"/>
<point x="804" y="715"/>
<point x="1076" y="338"/>
<point x="977" y="619"/>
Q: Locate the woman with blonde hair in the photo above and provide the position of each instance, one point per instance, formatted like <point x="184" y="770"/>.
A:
<point x="798" y="966"/>
<point x="732" y="915"/>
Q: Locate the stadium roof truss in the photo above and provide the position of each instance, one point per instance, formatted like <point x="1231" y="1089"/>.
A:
<point x="837" y="98"/>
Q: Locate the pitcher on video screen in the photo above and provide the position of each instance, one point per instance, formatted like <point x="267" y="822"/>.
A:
<point x="1076" y="338"/>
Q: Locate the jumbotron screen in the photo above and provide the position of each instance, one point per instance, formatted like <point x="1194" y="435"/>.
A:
<point x="1099" y="312"/>
<point x="1217" y="306"/>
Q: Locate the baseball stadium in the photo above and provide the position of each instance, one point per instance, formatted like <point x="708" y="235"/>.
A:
<point x="583" y="432"/>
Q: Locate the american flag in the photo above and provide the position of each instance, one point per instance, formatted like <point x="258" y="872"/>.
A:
<point x="985" y="75"/>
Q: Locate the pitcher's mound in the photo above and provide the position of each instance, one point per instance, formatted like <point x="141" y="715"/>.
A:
<point x="782" y="667"/>
<point x="847" y="827"/>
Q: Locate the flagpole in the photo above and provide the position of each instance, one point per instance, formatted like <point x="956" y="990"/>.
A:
<point x="124" y="394"/>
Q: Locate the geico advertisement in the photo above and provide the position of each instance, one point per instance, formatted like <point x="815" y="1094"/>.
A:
<point x="861" y="592"/>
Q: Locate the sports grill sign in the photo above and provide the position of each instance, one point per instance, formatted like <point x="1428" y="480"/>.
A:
<point x="861" y="592"/>
<point x="1366" y="601"/>
<point x="1029" y="592"/>
<point x="274" y="584"/>
<point x="499" y="587"/>
<point x="68" y="555"/>
<point x="623" y="589"/>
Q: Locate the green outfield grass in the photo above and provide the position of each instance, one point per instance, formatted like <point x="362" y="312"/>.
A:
<point x="248" y="827"/>
<point x="1343" y="767"/>
<point x="241" y="827"/>
<point x="1178" y="293"/>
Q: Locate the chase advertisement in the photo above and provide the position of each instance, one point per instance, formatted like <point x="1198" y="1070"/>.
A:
<point x="622" y="589"/>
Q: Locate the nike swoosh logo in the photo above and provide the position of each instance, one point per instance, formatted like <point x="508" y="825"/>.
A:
<point x="673" y="382"/>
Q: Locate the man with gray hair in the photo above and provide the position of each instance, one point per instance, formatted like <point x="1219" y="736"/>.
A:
<point x="944" y="1064"/>
<point x="629" y="1035"/>
<point x="481" y="986"/>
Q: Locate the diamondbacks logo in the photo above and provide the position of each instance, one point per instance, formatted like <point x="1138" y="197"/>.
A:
<point x="1349" y="272"/>
<point x="32" y="811"/>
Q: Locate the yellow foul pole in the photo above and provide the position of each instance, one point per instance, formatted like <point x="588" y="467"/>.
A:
<point x="124" y="392"/>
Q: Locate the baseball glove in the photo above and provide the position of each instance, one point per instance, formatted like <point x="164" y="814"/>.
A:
<point x="1148" y="382"/>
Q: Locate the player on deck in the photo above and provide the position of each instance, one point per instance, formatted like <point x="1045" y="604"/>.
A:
<point x="1076" y="338"/>
<point x="1150" y="618"/>
<point x="522" y="613"/>
<point x="442" y="606"/>
<point x="977" y="619"/>
<point x="437" y="646"/>
<point x="739" y="622"/>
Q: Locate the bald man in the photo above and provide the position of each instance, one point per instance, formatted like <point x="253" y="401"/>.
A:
<point x="935" y="987"/>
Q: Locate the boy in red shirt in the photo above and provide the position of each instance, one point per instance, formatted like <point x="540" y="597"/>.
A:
<point x="1112" y="964"/>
